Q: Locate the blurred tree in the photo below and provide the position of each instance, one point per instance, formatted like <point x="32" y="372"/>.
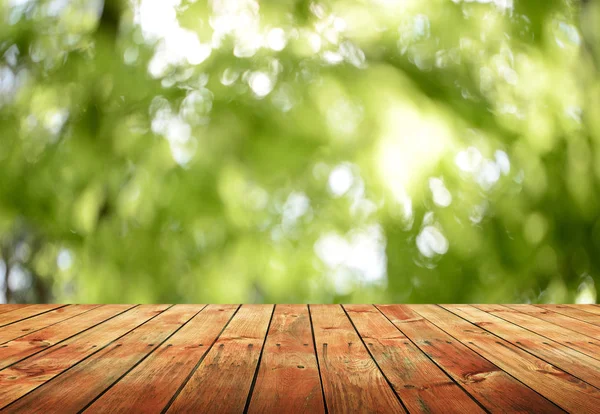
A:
<point x="298" y="151"/>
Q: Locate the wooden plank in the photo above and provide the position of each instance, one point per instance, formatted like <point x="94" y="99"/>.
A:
<point x="493" y="388"/>
<point x="562" y="388"/>
<point x="352" y="382"/>
<point x="24" y="313"/>
<point x="577" y="364"/>
<point x="573" y="313"/>
<point x="288" y="377"/>
<point x="21" y="378"/>
<point x="559" y="319"/>
<point x="420" y="383"/>
<point x="150" y="386"/>
<point x="565" y="337"/>
<point x="27" y="326"/>
<point x="223" y="379"/>
<point x="11" y="307"/>
<point x="102" y="369"/>
<point x="587" y="308"/>
<point x="25" y="346"/>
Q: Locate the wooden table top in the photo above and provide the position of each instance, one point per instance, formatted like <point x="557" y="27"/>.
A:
<point x="299" y="358"/>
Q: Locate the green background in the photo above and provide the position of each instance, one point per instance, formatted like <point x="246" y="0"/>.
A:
<point x="297" y="151"/>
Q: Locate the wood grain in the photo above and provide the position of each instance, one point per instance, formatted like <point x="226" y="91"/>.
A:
<point x="565" y="337"/>
<point x="573" y="312"/>
<point x="559" y="319"/>
<point x="563" y="389"/>
<point x="562" y="357"/>
<point x="150" y="386"/>
<point x="10" y="307"/>
<point x="352" y="382"/>
<point x="28" y="345"/>
<point x="222" y="381"/>
<point x="24" y="313"/>
<point x="420" y="383"/>
<point x="25" y="376"/>
<point x="103" y="368"/>
<point x="493" y="388"/>
<point x="587" y="308"/>
<point x="288" y="377"/>
<point x="24" y="327"/>
<point x="298" y="358"/>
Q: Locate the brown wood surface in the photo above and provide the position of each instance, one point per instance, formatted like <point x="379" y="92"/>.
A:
<point x="18" y="314"/>
<point x="27" y="326"/>
<point x="299" y="358"/>
<point x="496" y="390"/>
<point x="150" y="386"/>
<point x="102" y="369"/>
<point x="28" y="345"/>
<point x="288" y="377"/>
<point x="574" y="340"/>
<point x="420" y="383"/>
<point x="564" y="389"/>
<point x="222" y="381"/>
<point x="559" y="319"/>
<point x="574" y="312"/>
<point x="352" y="381"/>
<point x="19" y="379"/>
<point x="11" y="307"/>
<point x="565" y="358"/>
<point x="587" y="308"/>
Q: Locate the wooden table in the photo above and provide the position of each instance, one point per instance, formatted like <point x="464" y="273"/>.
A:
<point x="298" y="358"/>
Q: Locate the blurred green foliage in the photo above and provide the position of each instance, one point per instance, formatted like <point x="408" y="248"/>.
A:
<point x="298" y="151"/>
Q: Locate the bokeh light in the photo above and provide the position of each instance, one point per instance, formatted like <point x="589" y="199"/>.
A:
<point x="299" y="151"/>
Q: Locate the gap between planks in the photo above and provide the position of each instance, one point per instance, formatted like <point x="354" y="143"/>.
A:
<point x="339" y="333"/>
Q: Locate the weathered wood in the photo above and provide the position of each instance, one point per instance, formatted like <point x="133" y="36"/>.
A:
<point x="420" y="383"/>
<point x="565" y="337"/>
<point x="562" y="357"/>
<point x="352" y="382"/>
<point x="24" y="327"/>
<point x="24" y="313"/>
<point x="11" y="307"/>
<point x="574" y="313"/>
<point x="150" y="386"/>
<point x="492" y="387"/>
<point x="103" y="368"/>
<point x="288" y="376"/>
<point x="29" y="374"/>
<point x="28" y="345"/>
<point x="559" y="319"/>
<point x="567" y="391"/>
<point x="294" y="358"/>
<point x="222" y="381"/>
